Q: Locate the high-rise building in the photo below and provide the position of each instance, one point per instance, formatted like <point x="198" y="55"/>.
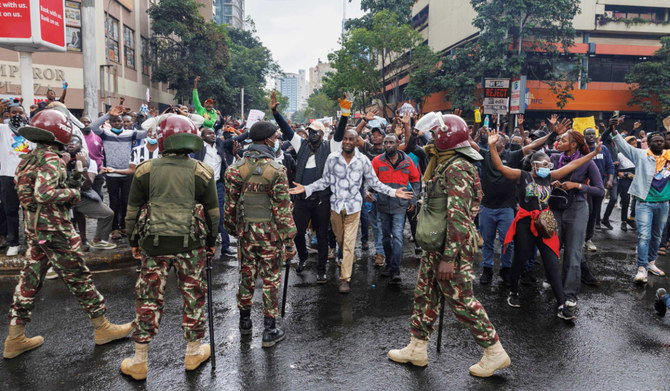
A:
<point x="293" y="86"/>
<point x="288" y="87"/>
<point x="613" y="36"/>
<point x="316" y="75"/>
<point x="230" y="12"/>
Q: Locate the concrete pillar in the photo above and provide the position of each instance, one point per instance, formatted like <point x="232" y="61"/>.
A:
<point x="26" y="71"/>
<point x="89" y="54"/>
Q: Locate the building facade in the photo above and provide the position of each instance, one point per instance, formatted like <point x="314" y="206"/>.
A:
<point x="294" y="86"/>
<point x="613" y="35"/>
<point x="316" y="75"/>
<point x="230" y="12"/>
<point x="122" y="31"/>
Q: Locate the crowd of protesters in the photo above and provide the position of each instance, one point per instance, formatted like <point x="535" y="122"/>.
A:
<point x="550" y="166"/>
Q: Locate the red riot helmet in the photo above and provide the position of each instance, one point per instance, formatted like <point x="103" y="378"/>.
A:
<point x="48" y="126"/>
<point x="177" y="133"/>
<point x="452" y="134"/>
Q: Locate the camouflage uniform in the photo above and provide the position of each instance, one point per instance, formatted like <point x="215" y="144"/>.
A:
<point x="261" y="244"/>
<point x="161" y="253"/>
<point x="46" y="199"/>
<point x="464" y="197"/>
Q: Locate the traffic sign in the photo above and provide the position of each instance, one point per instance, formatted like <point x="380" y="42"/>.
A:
<point x="518" y="96"/>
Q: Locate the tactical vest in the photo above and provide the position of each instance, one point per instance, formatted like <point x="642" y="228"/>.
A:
<point x="172" y="205"/>
<point x="254" y="204"/>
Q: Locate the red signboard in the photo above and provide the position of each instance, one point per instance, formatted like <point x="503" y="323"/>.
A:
<point x="15" y="19"/>
<point x="52" y="21"/>
<point x="496" y="93"/>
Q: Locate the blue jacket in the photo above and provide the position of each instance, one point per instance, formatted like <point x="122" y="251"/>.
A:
<point x="603" y="161"/>
<point x="645" y="167"/>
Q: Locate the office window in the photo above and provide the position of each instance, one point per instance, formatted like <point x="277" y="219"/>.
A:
<point x="146" y="60"/>
<point x="112" y="35"/>
<point x="129" y="46"/>
<point x="611" y="68"/>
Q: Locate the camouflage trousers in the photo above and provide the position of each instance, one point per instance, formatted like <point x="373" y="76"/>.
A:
<point x="62" y="251"/>
<point x="264" y="259"/>
<point x="150" y="293"/>
<point x="429" y="293"/>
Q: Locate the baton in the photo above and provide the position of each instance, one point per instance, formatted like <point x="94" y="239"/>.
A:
<point x="439" y="330"/>
<point x="210" y="310"/>
<point x="287" y="265"/>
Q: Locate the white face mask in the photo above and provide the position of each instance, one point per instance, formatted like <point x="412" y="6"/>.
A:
<point x="5" y="121"/>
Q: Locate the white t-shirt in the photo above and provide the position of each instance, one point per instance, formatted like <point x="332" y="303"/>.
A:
<point x="296" y="142"/>
<point x="213" y="160"/>
<point x="12" y="146"/>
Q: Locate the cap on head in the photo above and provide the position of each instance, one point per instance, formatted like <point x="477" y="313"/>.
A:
<point x="177" y="133"/>
<point x="317" y="125"/>
<point x="261" y="130"/>
<point x="48" y="126"/>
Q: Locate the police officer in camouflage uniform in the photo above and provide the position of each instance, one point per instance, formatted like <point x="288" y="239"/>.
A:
<point x="447" y="274"/>
<point x="46" y="197"/>
<point x="258" y="212"/>
<point x="173" y="216"/>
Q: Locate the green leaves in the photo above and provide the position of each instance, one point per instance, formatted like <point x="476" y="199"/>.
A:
<point x="651" y="83"/>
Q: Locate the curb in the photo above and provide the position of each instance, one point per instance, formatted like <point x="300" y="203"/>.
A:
<point x="96" y="260"/>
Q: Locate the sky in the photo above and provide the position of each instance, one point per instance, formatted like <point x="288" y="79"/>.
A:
<point x="300" y="32"/>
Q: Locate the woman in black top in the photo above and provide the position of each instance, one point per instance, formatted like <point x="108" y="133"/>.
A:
<point x="533" y="190"/>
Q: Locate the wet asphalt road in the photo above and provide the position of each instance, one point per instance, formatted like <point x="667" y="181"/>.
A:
<point x="339" y="342"/>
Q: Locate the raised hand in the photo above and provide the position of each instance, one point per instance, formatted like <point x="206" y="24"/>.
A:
<point x="553" y="119"/>
<point x="195" y="82"/>
<point x="520" y="119"/>
<point x="563" y="126"/>
<point x="493" y="137"/>
<point x="370" y="115"/>
<point x="273" y="101"/>
<point x="405" y="118"/>
<point x="116" y="111"/>
<point x="458" y="112"/>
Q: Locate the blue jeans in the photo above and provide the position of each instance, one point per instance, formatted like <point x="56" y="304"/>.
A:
<point x="650" y="218"/>
<point x="373" y="219"/>
<point x="391" y="227"/>
<point x="221" y="193"/>
<point x="364" y="220"/>
<point x="492" y="221"/>
<point x="666" y="300"/>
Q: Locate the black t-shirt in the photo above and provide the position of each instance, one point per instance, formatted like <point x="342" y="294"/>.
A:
<point x="370" y="151"/>
<point x="499" y="192"/>
<point x="533" y="193"/>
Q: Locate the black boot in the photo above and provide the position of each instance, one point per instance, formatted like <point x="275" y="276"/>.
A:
<point x="300" y="267"/>
<point x="587" y="277"/>
<point x="506" y="275"/>
<point x="245" y="322"/>
<point x="487" y="276"/>
<point x="272" y="334"/>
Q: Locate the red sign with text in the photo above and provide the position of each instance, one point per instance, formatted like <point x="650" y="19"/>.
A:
<point x="15" y="19"/>
<point x="52" y="21"/>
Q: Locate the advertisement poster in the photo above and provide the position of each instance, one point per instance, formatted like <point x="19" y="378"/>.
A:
<point x="72" y="14"/>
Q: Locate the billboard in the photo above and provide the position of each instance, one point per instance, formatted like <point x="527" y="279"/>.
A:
<point x="32" y="25"/>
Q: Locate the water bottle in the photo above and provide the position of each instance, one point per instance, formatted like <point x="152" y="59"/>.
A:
<point x="486" y="121"/>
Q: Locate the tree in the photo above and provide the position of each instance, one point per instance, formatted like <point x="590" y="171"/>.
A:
<point x="651" y="83"/>
<point x="423" y="80"/>
<point x="186" y="46"/>
<point x="370" y="59"/>
<point x="320" y="105"/>
<point x="402" y="8"/>
<point x="517" y="37"/>
<point x="251" y="64"/>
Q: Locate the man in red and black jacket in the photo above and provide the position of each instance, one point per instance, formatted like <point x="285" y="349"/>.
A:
<point x="395" y="169"/>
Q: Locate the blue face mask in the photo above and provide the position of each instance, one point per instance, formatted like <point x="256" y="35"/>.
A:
<point x="117" y="131"/>
<point x="543" y="172"/>
<point x="276" y="147"/>
<point x="151" y="141"/>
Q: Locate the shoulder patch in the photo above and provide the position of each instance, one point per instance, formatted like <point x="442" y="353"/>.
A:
<point x="143" y="168"/>
<point x="205" y="172"/>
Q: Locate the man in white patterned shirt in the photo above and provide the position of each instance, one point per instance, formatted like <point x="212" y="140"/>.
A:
<point x="344" y="173"/>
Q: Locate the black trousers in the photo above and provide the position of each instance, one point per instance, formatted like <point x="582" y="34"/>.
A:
<point x="10" y="207"/>
<point x="595" y="205"/>
<point x="119" y="189"/>
<point x="318" y="212"/>
<point x="524" y="247"/>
